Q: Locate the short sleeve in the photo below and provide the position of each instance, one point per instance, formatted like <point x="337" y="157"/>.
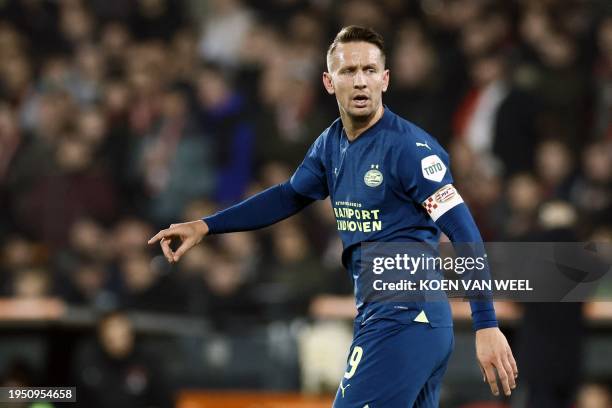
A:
<point x="423" y="167"/>
<point x="309" y="178"/>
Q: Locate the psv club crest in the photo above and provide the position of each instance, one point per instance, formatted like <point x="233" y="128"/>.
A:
<point x="373" y="177"/>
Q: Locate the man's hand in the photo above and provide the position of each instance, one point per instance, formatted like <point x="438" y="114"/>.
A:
<point x="190" y="234"/>
<point x="494" y="353"/>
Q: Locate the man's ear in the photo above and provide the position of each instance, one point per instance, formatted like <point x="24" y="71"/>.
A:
<point x="385" y="80"/>
<point x="327" y="83"/>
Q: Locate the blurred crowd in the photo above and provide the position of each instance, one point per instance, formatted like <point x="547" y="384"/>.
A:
<point x="118" y="118"/>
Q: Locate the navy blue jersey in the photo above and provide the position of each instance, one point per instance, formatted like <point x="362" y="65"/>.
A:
<point x="377" y="185"/>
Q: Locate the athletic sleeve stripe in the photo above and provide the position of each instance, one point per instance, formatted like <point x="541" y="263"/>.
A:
<point x="441" y="201"/>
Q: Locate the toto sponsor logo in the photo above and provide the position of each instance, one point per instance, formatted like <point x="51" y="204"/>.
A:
<point x="433" y="168"/>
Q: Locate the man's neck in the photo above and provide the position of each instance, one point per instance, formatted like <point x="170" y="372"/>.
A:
<point x="354" y="128"/>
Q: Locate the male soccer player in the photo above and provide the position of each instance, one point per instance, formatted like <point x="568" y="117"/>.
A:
<point x="388" y="181"/>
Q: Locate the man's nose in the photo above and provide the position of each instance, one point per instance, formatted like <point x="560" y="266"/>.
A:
<point x="359" y="80"/>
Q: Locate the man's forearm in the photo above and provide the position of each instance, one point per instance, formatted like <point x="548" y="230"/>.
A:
<point x="458" y="224"/>
<point x="263" y="209"/>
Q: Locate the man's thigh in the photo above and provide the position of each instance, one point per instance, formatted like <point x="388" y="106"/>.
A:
<point x="392" y="364"/>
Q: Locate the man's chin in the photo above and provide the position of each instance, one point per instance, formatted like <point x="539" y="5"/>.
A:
<point x="360" y="113"/>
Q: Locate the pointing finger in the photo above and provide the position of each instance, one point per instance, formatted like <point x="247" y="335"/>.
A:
<point x="161" y="234"/>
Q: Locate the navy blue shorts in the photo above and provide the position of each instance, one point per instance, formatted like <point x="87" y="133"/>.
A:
<point x="395" y="364"/>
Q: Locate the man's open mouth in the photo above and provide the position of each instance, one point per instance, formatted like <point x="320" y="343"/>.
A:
<point x="360" y="99"/>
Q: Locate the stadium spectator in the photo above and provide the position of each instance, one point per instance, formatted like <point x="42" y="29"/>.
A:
<point x="603" y="81"/>
<point x="594" y="395"/>
<point x="127" y="236"/>
<point x="225" y="26"/>
<point x="417" y="82"/>
<point x="229" y="298"/>
<point x="20" y="373"/>
<point x="173" y="161"/>
<point x="554" y="167"/>
<point x="74" y="187"/>
<point x="10" y="143"/>
<point x="117" y="362"/>
<point x="33" y="283"/>
<point x="156" y="19"/>
<point x="551" y="337"/>
<point x="591" y="193"/>
<point x="292" y="270"/>
<point x="148" y="287"/>
<point x="223" y="114"/>
<point x="289" y="118"/>
<point x="84" y="282"/>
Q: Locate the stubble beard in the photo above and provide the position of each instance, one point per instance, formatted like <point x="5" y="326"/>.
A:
<point x="360" y="118"/>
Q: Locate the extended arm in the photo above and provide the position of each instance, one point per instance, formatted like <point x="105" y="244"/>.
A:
<point x="263" y="209"/>
<point x="307" y="184"/>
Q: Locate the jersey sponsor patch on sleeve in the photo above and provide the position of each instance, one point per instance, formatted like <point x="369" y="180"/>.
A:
<point x="433" y="168"/>
<point x="441" y="201"/>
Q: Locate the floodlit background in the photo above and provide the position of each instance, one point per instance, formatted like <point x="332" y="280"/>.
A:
<point x="120" y="117"/>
